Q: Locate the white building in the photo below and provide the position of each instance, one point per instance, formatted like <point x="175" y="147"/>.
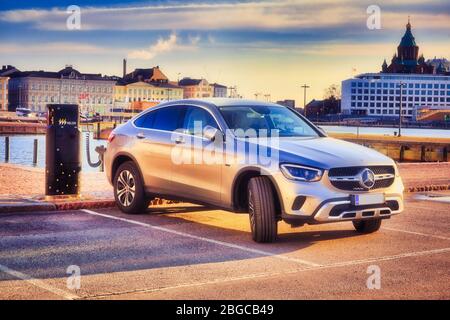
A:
<point x="378" y="94"/>
<point x="35" y="89"/>
<point x="219" y="91"/>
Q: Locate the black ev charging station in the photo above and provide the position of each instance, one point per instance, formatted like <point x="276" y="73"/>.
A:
<point x="62" y="160"/>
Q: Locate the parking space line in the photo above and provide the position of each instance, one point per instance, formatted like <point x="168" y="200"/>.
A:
<point x="387" y="258"/>
<point x="38" y="283"/>
<point x="274" y="274"/>
<point x="217" y="242"/>
<point x="416" y="233"/>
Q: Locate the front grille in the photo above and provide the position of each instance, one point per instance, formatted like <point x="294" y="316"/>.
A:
<point x="353" y="171"/>
<point x="355" y="186"/>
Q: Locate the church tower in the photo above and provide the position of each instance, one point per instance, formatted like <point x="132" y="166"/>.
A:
<point x="407" y="58"/>
<point x="408" y="50"/>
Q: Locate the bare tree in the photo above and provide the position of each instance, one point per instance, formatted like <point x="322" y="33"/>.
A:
<point x="333" y="92"/>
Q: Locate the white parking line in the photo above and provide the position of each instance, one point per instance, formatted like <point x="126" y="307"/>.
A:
<point x="217" y="242"/>
<point x="38" y="283"/>
<point x="417" y="233"/>
<point x="274" y="274"/>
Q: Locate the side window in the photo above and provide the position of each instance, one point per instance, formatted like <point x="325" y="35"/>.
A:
<point x="145" y="121"/>
<point x="168" y="119"/>
<point x="197" y="119"/>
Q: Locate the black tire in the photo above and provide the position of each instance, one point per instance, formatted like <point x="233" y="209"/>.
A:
<point x="261" y="207"/>
<point x="137" y="203"/>
<point x="367" y="226"/>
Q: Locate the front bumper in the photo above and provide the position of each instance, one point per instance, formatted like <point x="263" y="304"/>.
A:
<point x="321" y="202"/>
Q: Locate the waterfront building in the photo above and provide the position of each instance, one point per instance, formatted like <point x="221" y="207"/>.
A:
<point x="196" y="88"/>
<point x="421" y="85"/>
<point x="440" y="65"/>
<point x="287" y="103"/>
<point x="3" y="93"/>
<point x="4" y="78"/>
<point x="378" y="94"/>
<point x="144" y="91"/>
<point x="35" y="89"/>
<point x="219" y="90"/>
<point x="149" y="85"/>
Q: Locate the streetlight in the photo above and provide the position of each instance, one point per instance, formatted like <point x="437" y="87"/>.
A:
<point x="400" y="85"/>
<point x="304" y="96"/>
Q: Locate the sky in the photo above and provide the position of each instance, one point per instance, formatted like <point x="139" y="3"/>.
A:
<point x="267" y="47"/>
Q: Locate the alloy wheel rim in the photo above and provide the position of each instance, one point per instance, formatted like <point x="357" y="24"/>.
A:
<point x="251" y="210"/>
<point x="126" y="188"/>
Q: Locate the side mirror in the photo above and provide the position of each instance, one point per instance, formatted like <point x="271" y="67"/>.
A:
<point x="322" y="131"/>
<point x="210" y="133"/>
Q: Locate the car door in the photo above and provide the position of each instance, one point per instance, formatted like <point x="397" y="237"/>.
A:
<point x="154" y="146"/>
<point x="197" y="167"/>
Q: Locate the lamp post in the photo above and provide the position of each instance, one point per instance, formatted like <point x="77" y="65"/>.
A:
<point x="401" y="85"/>
<point x="304" y="96"/>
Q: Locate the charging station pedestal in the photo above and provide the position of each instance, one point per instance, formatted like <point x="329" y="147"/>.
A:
<point x="62" y="154"/>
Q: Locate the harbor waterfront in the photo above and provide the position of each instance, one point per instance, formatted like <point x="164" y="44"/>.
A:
<point x="434" y="141"/>
<point x="386" y="131"/>
<point x="21" y="150"/>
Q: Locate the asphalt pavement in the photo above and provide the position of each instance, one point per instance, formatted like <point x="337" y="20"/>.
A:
<point x="184" y="251"/>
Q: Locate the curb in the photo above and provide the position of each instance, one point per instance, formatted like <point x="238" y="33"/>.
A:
<point x="90" y="204"/>
<point x="442" y="187"/>
<point x="72" y="205"/>
<point x="57" y="206"/>
<point x="28" y="207"/>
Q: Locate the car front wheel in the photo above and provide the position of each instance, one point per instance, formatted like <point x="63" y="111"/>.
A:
<point x="367" y="226"/>
<point x="261" y="207"/>
<point x="129" y="190"/>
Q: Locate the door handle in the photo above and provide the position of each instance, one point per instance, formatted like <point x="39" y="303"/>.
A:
<point x="140" y="135"/>
<point x="179" y="140"/>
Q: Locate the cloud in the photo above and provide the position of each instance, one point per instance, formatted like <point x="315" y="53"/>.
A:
<point x="52" y="47"/>
<point x="161" y="46"/>
<point x="263" y="15"/>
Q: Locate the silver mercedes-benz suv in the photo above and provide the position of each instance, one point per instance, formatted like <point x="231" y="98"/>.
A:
<point x="250" y="156"/>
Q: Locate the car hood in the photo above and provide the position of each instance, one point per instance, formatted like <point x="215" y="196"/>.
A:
<point x="325" y="152"/>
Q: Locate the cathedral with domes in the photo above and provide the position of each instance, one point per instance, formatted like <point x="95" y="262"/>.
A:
<point x="407" y="59"/>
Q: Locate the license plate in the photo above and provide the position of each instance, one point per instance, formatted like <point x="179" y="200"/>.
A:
<point x="364" y="199"/>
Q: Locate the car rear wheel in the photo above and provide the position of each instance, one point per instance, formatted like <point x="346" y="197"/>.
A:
<point x="261" y="207"/>
<point x="367" y="226"/>
<point x="129" y="190"/>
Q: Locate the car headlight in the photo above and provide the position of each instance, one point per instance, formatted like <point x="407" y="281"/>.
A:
<point x="301" y="173"/>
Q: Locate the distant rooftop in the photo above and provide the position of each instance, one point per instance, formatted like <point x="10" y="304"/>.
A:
<point x="67" y="73"/>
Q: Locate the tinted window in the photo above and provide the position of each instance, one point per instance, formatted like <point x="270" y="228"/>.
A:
<point x="145" y="121"/>
<point x="162" y="119"/>
<point x="198" y="118"/>
<point x="254" y="120"/>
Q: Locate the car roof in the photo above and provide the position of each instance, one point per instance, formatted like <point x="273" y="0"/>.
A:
<point x="222" y="102"/>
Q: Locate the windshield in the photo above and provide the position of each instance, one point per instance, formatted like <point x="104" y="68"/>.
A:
<point x="262" y="120"/>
